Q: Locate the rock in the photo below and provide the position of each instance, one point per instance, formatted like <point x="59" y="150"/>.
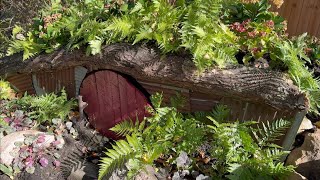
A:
<point x="307" y="157"/>
<point x="147" y="174"/>
<point x="203" y="177"/>
<point x="86" y="172"/>
<point x="305" y="125"/>
<point x="176" y="176"/>
<point x="183" y="160"/>
<point x="7" y="144"/>
<point x="296" y="176"/>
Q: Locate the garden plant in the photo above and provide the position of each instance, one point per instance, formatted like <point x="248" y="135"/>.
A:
<point x="218" y="34"/>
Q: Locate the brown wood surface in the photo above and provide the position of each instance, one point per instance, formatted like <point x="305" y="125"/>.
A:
<point x="111" y="99"/>
<point x="302" y="16"/>
<point x="147" y="63"/>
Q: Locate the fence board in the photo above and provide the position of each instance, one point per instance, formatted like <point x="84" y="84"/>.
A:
<point x="302" y="16"/>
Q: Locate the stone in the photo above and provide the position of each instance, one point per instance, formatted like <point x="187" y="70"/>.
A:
<point x="306" y="124"/>
<point x="203" y="177"/>
<point x="7" y="144"/>
<point x="147" y="174"/>
<point x="176" y="176"/>
<point x="183" y="160"/>
<point x="307" y="157"/>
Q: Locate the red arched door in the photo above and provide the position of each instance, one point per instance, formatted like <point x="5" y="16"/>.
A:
<point x="111" y="99"/>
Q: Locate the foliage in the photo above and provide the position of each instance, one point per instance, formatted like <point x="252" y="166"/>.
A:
<point x="290" y="52"/>
<point x="5" y="90"/>
<point x="165" y="132"/>
<point x="235" y="153"/>
<point x="45" y="107"/>
<point x="238" y="155"/>
<point x="16" y="12"/>
<point x="32" y="112"/>
<point x="213" y="31"/>
<point x="31" y="151"/>
<point x="6" y="170"/>
<point x="257" y="12"/>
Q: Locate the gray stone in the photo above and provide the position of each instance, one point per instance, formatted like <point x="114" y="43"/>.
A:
<point x="176" y="176"/>
<point x="307" y="157"/>
<point x="306" y="124"/>
<point x="183" y="160"/>
<point x="147" y="174"/>
<point x="203" y="177"/>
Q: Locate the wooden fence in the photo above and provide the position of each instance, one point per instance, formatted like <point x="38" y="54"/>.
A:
<point x="302" y="16"/>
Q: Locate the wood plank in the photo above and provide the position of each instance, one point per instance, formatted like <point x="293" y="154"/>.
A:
<point x="294" y="16"/>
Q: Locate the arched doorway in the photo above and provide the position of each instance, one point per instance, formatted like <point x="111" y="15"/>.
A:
<point x="111" y="98"/>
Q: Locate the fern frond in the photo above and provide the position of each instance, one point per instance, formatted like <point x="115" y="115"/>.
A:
<point x="220" y="113"/>
<point x="267" y="132"/>
<point x="128" y="127"/>
<point x="275" y="153"/>
<point x="120" y="153"/>
<point x="121" y="27"/>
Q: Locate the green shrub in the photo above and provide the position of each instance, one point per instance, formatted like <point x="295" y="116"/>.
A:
<point x="236" y="154"/>
<point x="5" y="90"/>
<point x="45" y="107"/>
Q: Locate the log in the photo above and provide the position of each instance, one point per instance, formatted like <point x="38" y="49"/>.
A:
<point x="147" y="63"/>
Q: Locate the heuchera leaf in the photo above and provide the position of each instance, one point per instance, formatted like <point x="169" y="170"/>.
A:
<point x="30" y="169"/>
<point x="56" y="163"/>
<point x="41" y="139"/>
<point x="29" y="161"/>
<point x="43" y="162"/>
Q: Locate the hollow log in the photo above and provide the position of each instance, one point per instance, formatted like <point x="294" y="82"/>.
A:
<point x="147" y="63"/>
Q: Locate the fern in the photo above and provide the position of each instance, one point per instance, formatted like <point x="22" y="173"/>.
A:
<point x="239" y="156"/>
<point x="46" y="107"/>
<point x="220" y="113"/>
<point x="267" y="132"/>
<point x="128" y="127"/>
<point x="122" y="151"/>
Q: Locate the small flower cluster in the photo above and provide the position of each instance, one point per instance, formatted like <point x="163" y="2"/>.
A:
<point x="277" y="3"/>
<point x="51" y="19"/>
<point x="240" y="27"/>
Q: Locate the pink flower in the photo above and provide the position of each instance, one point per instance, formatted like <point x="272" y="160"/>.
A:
<point x="270" y="24"/>
<point x="246" y="22"/>
<point x="263" y="34"/>
<point x="255" y="50"/>
<point x="43" y="162"/>
<point x="55" y="143"/>
<point x="252" y="34"/>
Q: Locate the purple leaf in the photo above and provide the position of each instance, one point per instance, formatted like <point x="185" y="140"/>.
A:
<point x="56" y="163"/>
<point x="41" y="139"/>
<point x="6" y="119"/>
<point x="43" y="162"/>
<point x="55" y="143"/>
<point x="29" y="161"/>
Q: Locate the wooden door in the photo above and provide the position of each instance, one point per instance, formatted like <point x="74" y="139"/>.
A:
<point x="111" y="99"/>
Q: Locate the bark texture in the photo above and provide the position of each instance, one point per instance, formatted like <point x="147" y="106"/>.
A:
<point x="147" y="63"/>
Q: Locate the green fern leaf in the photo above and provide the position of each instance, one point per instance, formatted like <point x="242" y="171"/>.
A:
<point x="120" y="153"/>
<point x="269" y="132"/>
